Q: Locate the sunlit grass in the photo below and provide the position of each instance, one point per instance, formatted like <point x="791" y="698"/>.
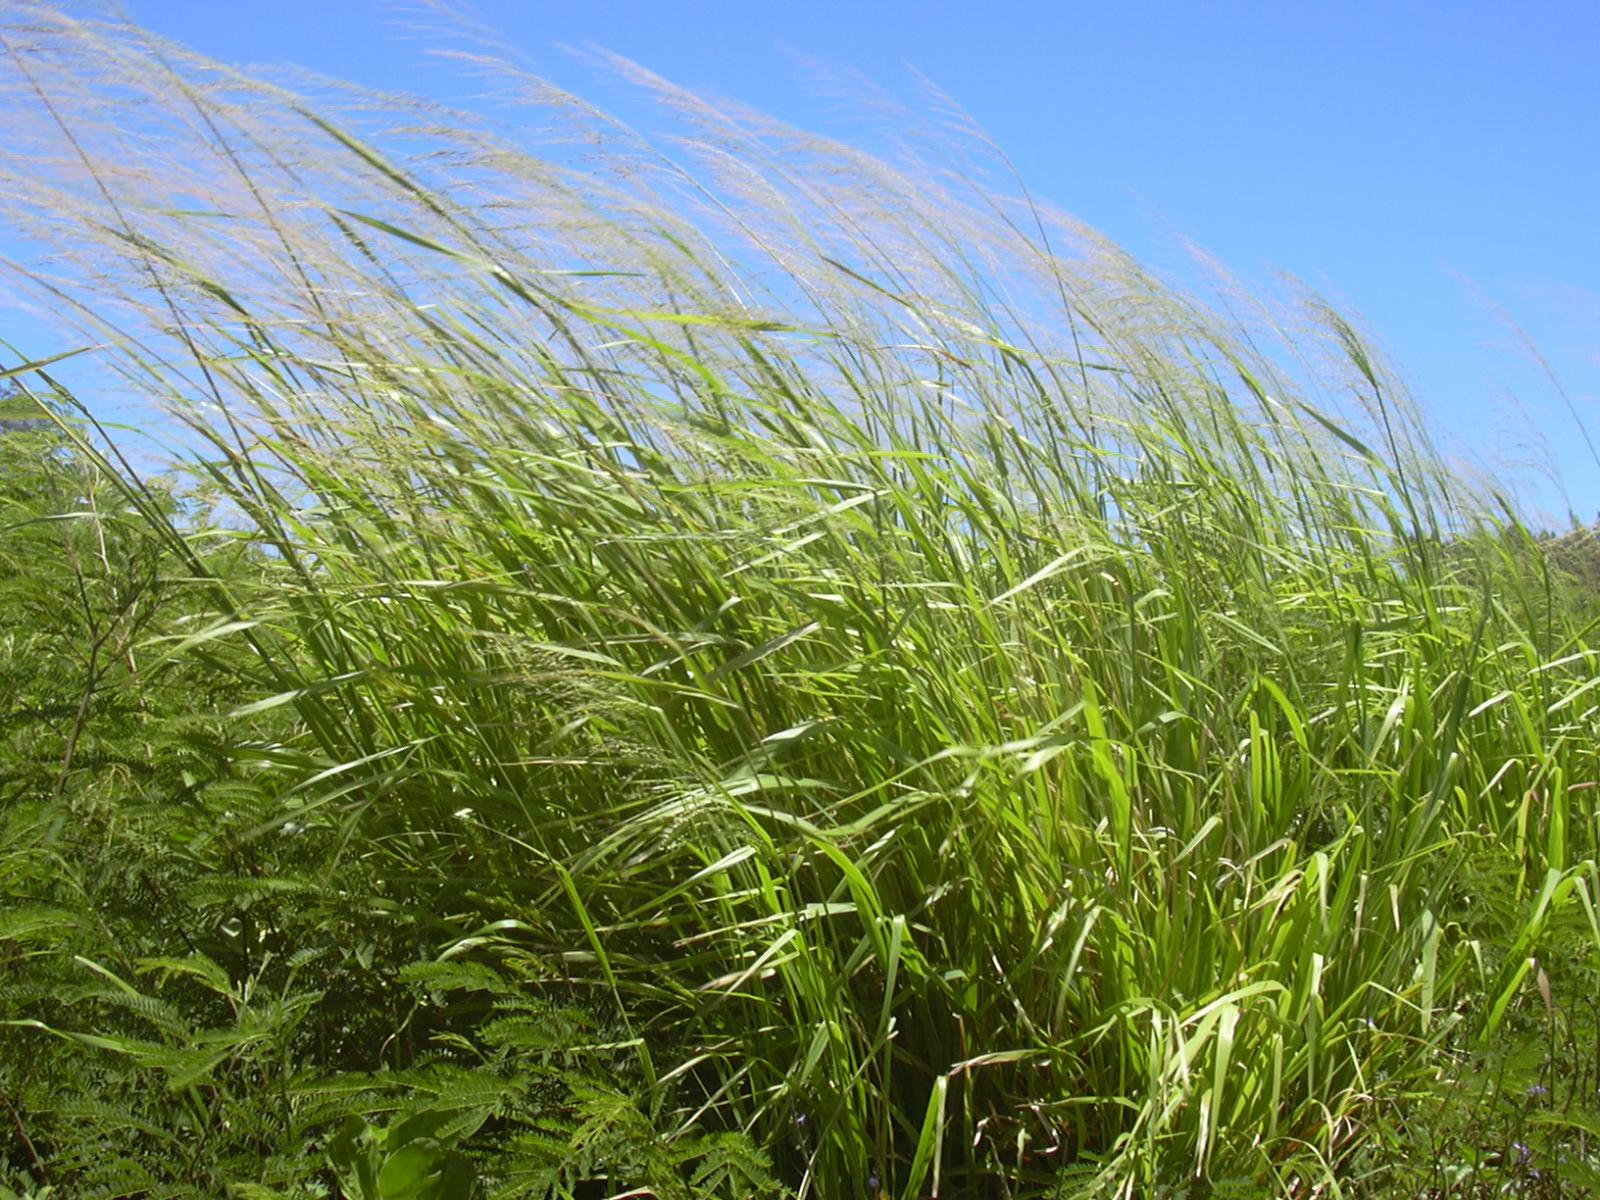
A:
<point x="982" y="719"/>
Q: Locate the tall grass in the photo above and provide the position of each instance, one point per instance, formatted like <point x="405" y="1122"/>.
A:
<point x="983" y="720"/>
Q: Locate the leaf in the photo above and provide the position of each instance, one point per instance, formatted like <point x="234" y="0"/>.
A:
<point x="408" y="1173"/>
<point x="929" y="1143"/>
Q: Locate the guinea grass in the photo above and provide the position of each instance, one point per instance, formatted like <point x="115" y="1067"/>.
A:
<point x="984" y="720"/>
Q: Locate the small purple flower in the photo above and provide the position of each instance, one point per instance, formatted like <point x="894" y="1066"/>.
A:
<point x="1523" y="1153"/>
<point x="874" y="1183"/>
<point x="1538" y="1090"/>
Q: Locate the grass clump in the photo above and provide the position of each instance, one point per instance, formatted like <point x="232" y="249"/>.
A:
<point x="761" y="669"/>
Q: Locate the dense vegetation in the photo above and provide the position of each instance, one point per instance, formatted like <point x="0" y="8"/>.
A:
<point x="726" y="666"/>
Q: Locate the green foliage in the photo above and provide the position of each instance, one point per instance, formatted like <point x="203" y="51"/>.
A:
<point x="408" y="1160"/>
<point x="78" y="583"/>
<point x="879" y="697"/>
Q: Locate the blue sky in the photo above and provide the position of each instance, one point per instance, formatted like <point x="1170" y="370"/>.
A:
<point x="1424" y="163"/>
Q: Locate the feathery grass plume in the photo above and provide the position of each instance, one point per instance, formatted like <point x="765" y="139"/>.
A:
<point x="977" y="718"/>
